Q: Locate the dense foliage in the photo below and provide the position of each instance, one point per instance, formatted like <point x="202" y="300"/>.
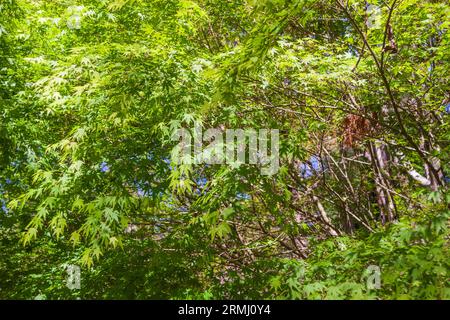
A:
<point x="93" y="91"/>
